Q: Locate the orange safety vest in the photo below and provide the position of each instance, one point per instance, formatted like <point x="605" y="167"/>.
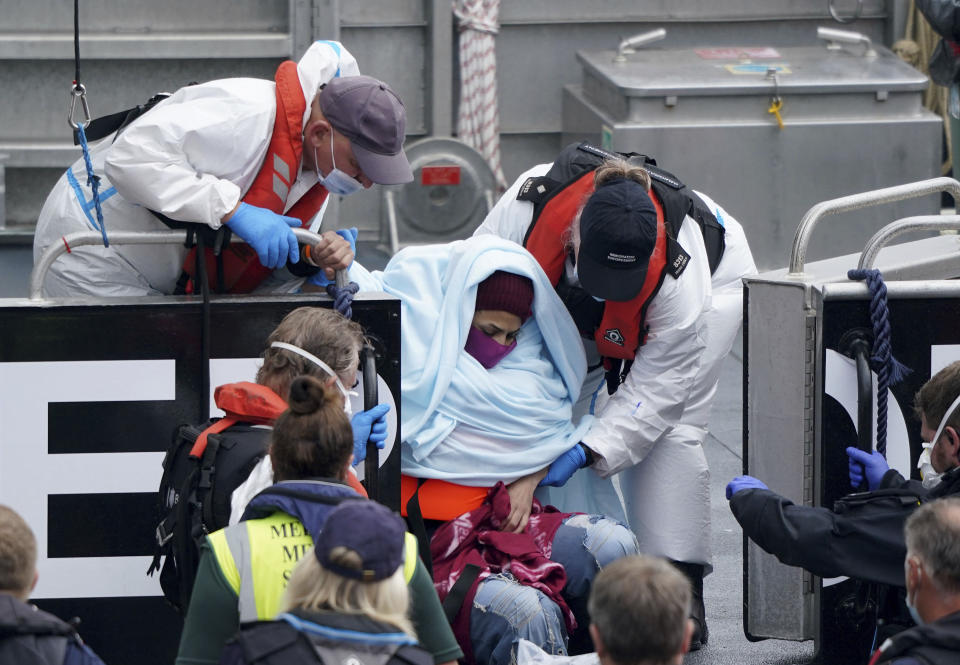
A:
<point x="242" y="270"/>
<point x="619" y="332"/>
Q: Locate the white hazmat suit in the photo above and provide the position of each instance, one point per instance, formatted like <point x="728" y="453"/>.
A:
<point x="191" y="158"/>
<point x="651" y="430"/>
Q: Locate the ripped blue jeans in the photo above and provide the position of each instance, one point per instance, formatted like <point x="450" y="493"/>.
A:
<point x="505" y="611"/>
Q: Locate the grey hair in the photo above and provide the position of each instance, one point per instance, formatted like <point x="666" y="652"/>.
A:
<point x="639" y="605"/>
<point x="610" y="169"/>
<point x="333" y="338"/>
<point x="621" y="169"/>
<point x="933" y="536"/>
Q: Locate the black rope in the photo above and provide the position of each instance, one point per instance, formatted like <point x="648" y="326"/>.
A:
<point x="204" y="285"/>
<point x="76" y="42"/>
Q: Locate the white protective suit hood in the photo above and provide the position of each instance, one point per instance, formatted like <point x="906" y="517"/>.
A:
<point x="323" y="61"/>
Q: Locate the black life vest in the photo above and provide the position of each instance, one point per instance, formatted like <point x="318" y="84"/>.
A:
<point x="321" y="639"/>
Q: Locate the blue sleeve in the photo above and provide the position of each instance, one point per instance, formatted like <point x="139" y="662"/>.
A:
<point x="79" y="653"/>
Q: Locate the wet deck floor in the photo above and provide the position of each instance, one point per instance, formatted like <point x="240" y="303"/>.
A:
<point x="723" y="589"/>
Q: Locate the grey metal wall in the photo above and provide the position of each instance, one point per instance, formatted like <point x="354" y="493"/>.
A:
<point x="133" y="48"/>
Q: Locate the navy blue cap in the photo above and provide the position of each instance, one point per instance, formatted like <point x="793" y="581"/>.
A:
<point x="371" y="530"/>
<point x="618" y="233"/>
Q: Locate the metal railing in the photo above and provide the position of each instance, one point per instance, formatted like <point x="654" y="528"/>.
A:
<point x="881" y="238"/>
<point x="172" y="237"/>
<point x="865" y="200"/>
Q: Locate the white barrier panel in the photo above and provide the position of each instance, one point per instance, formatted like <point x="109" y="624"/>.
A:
<point x="90" y="396"/>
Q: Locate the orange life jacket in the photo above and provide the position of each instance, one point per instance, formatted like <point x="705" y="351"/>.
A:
<point x="439" y="499"/>
<point x="619" y="332"/>
<point x="242" y="270"/>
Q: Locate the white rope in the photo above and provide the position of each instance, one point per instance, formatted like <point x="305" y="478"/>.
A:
<point x="478" y="124"/>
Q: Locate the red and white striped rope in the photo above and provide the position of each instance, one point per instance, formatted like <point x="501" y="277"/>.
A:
<point x="478" y="123"/>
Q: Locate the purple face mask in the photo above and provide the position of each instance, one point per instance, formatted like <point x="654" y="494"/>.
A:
<point x="486" y="350"/>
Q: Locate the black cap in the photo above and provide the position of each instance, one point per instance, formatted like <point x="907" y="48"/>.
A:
<point x="618" y="232"/>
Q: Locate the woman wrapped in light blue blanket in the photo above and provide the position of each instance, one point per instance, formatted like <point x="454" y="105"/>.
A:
<point x="491" y="367"/>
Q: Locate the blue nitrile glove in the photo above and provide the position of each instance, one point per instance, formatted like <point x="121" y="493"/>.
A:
<point x="350" y="235"/>
<point x="872" y="465"/>
<point x="268" y="233"/>
<point x="744" y="483"/>
<point x="565" y="466"/>
<point x="369" y="425"/>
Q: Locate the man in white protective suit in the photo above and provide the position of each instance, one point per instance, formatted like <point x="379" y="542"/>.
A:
<point x="255" y="156"/>
<point x="650" y="272"/>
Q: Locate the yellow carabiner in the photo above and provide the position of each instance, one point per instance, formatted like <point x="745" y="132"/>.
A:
<point x="775" y="105"/>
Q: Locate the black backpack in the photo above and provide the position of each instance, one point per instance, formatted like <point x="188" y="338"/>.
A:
<point x="278" y="643"/>
<point x="194" y="498"/>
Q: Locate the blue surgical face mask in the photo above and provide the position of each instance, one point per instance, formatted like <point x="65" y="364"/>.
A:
<point x="336" y="182"/>
<point x="917" y="619"/>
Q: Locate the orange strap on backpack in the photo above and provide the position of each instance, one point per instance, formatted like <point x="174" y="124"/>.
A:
<point x="243" y="402"/>
<point x="251" y="403"/>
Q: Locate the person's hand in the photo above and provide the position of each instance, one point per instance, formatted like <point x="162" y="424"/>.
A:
<point x="336" y="252"/>
<point x="870" y="465"/>
<point x="565" y="466"/>
<point x="268" y="233"/>
<point x="744" y="483"/>
<point x="521" y="501"/>
<point x="369" y="425"/>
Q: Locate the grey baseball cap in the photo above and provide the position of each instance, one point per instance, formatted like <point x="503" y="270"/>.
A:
<point x="369" y="113"/>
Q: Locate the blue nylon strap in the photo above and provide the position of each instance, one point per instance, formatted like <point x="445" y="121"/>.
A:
<point x="345" y="635"/>
<point x="86" y="205"/>
<point x="93" y="181"/>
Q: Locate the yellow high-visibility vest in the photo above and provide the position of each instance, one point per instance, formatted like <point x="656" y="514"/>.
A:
<point x="258" y="556"/>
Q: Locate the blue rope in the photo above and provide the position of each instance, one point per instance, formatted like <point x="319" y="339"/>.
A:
<point x="343" y="297"/>
<point x="889" y="370"/>
<point x="93" y="182"/>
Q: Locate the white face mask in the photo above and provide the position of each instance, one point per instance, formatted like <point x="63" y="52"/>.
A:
<point x="347" y="407"/>
<point x="337" y="182"/>
<point x="929" y="475"/>
<point x="931" y="478"/>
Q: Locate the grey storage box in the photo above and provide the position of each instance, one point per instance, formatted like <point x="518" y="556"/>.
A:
<point x="852" y="122"/>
